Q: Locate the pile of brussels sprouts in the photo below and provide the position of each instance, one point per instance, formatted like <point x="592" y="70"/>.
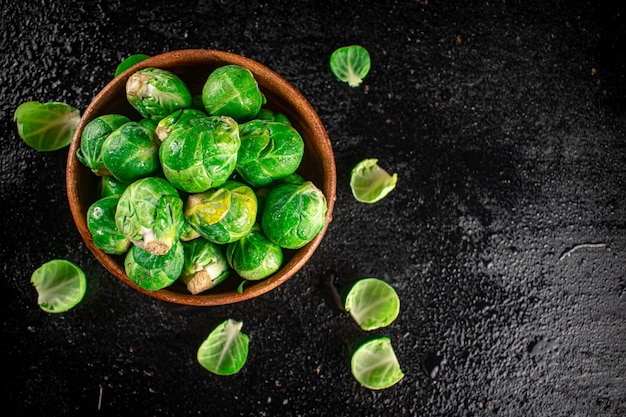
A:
<point x="199" y="186"/>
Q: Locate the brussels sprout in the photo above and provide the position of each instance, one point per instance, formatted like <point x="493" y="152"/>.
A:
<point x="129" y="62"/>
<point x="375" y="365"/>
<point x="372" y="303"/>
<point x="188" y="233"/>
<point x="154" y="272"/>
<point x="149" y="123"/>
<point x="232" y="91"/>
<point x="183" y="117"/>
<point x="272" y="116"/>
<point x="294" y="214"/>
<point x="156" y="93"/>
<point x="254" y="256"/>
<point x="60" y="285"/>
<point x="46" y="126"/>
<point x="101" y="224"/>
<point x="131" y="152"/>
<point x="222" y="215"/>
<point x="109" y="186"/>
<point x="200" y="154"/>
<point x="350" y="64"/>
<point x="269" y="150"/>
<point x="93" y="136"/>
<point x="370" y="183"/>
<point x="150" y="213"/>
<point x="225" y="350"/>
<point x="205" y="265"/>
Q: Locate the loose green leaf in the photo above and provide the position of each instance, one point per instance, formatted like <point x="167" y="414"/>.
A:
<point x="46" y="126"/>
<point x="60" y="285"/>
<point x="370" y="183"/>
<point x="375" y="365"/>
<point x="129" y="62"/>
<point x="225" y="351"/>
<point x="350" y="64"/>
<point x="372" y="303"/>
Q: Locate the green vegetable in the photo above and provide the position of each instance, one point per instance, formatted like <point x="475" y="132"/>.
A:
<point x="93" y="136"/>
<point x="254" y="256"/>
<point x="131" y="152"/>
<point x="222" y="215"/>
<point x="154" y="272"/>
<point x="225" y="350"/>
<point x="350" y="64"/>
<point x="129" y="62"/>
<point x="205" y="265"/>
<point x="183" y="117"/>
<point x="188" y="233"/>
<point x="60" y="285"/>
<point x="269" y="151"/>
<point x="109" y="186"/>
<point x="375" y="365"/>
<point x="156" y="93"/>
<point x="372" y="303"/>
<point x="231" y="90"/>
<point x="101" y="223"/>
<point x="150" y="213"/>
<point x="293" y="214"/>
<point x="370" y="183"/>
<point x="46" y="126"/>
<point x="272" y="116"/>
<point x="201" y="153"/>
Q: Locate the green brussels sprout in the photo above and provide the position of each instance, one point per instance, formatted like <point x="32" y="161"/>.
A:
<point x="156" y="93"/>
<point x="201" y="154"/>
<point x="293" y="214"/>
<point x="223" y="215"/>
<point x="93" y="136"/>
<point x="46" y="126"/>
<point x="131" y="152"/>
<point x="188" y="233"/>
<point x="109" y="186"/>
<point x="205" y="265"/>
<point x="149" y="123"/>
<point x="254" y="256"/>
<point x="232" y="91"/>
<point x="154" y="272"/>
<point x="272" y="116"/>
<point x="269" y="151"/>
<point x="101" y="224"/>
<point x="150" y="213"/>
<point x="182" y="117"/>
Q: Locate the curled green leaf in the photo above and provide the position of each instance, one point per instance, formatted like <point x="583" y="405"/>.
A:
<point x="372" y="303"/>
<point x="46" y="126"/>
<point x="129" y="62"/>
<point x="375" y="365"/>
<point x="60" y="285"/>
<point x="350" y="64"/>
<point x="370" y="183"/>
<point x="225" y="350"/>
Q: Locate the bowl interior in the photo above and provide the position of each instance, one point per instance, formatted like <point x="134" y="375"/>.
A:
<point x="194" y="66"/>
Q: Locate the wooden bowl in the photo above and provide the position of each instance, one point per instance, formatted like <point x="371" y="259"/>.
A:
<point x="194" y="66"/>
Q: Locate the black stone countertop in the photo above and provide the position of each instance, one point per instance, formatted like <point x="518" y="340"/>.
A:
<point x="505" y="237"/>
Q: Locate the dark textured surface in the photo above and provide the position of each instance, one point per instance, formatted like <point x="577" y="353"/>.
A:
<point x="506" y="124"/>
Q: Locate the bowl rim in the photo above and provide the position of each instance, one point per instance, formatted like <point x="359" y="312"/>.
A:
<point x="266" y="78"/>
